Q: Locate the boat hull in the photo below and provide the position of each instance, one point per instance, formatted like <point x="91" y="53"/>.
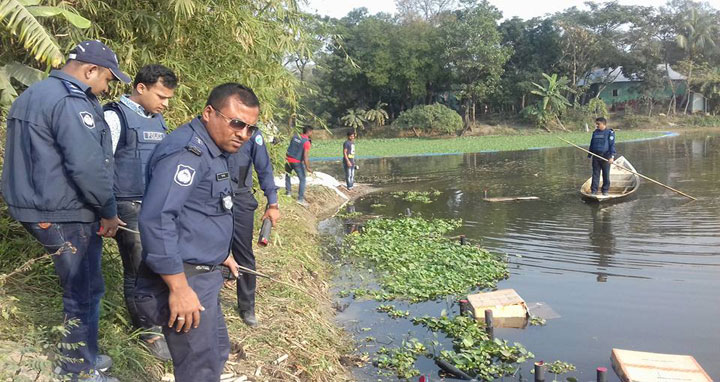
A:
<point x="623" y="183"/>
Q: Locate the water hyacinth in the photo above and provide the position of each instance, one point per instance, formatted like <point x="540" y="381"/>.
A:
<point x="415" y="261"/>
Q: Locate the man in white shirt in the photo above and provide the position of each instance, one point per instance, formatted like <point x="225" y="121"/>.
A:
<point x="136" y="127"/>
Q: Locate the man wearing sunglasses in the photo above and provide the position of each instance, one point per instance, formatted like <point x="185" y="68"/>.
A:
<point x="186" y="226"/>
<point x="252" y="154"/>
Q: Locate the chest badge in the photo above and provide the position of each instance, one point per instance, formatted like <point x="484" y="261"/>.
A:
<point x="87" y="119"/>
<point x="222" y="176"/>
<point x="227" y="202"/>
<point x="184" y="175"/>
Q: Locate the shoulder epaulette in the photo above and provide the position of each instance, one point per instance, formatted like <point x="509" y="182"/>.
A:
<point x="73" y="89"/>
<point x="195" y="145"/>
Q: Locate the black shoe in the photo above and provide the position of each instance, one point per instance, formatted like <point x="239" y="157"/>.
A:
<point x="103" y="362"/>
<point x="159" y="348"/>
<point x="248" y="317"/>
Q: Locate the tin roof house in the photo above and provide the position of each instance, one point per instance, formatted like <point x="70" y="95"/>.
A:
<point x="617" y="89"/>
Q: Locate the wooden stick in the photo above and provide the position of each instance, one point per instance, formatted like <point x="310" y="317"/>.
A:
<point x="628" y="170"/>
<point x="256" y="273"/>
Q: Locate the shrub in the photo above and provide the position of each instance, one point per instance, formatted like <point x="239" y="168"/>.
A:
<point x="435" y="117"/>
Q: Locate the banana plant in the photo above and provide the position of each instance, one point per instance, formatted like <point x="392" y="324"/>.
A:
<point x="20" y="19"/>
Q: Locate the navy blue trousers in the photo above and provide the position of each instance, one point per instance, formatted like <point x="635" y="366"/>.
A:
<point x="130" y="250"/>
<point x="77" y="259"/>
<point x="244" y="206"/>
<point x="598" y="166"/>
<point x="201" y="353"/>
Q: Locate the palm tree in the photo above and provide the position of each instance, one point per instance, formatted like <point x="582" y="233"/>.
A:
<point x="378" y="114"/>
<point x="354" y="118"/>
<point x="696" y="34"/>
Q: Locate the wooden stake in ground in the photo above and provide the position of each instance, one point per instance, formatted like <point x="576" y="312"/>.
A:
<point x="636" y="173"/>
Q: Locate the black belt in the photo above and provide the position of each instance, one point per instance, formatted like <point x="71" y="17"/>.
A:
<point x="197" y="269"/>
<point x="190" y="270"/>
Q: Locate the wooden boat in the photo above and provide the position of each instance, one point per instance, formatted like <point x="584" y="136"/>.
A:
<point x="623" y="183"/>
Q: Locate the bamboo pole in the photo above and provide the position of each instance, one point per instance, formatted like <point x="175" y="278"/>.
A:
<point x="628" y="170"/>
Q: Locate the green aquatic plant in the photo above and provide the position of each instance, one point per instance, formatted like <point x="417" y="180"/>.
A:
<point x="560" y="367"/>
<point x="416" y="196"/>
<point x="413" y="260"/>
<point x="398" y="147"/>
<point x="537" y="321"/>
<point x="401" y="361"/>
<point x="474" y="352"/>
<point x="392" y="311"/>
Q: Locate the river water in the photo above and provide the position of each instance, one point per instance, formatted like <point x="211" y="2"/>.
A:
<point x="642" y="275"/>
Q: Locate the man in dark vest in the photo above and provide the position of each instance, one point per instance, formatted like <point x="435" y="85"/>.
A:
<point x="253" y="154"/>
<point x="57" y="180"/>
<point x="298" y="160"/>
<point x="137" y="126"/>
<point x="602" y="144"/>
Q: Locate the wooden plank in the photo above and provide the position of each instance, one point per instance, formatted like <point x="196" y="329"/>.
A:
<point x="636" y="366"/>
<point x="510" y="199"/>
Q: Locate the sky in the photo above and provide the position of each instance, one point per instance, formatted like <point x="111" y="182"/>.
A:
<point x="522" y="8"/>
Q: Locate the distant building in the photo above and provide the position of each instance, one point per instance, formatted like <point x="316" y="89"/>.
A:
<point x="617" y="90"/>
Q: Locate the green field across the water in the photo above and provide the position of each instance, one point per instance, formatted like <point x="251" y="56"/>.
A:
<point x="397" y="147"/>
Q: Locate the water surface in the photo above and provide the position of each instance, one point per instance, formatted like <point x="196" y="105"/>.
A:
<point x="641" y="275"/>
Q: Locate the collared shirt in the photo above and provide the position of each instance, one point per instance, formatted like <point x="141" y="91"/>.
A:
<point x="113" y="119"/>
<point x="187" y="207"/>
<point x="58" y="157"/>
<point x="253" y="153"/>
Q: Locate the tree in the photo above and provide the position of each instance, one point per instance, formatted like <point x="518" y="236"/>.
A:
<point x="697" y="32"/>
<point x="354" y="118"/>
<point x="474" y="55"/>
<point x="31" y="39"/>
<point x="378" y="114"/>
<point x="553" y="101"/>
<point x="428" y="10"/>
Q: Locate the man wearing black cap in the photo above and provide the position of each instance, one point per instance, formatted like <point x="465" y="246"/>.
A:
<point x="57" y="181"/>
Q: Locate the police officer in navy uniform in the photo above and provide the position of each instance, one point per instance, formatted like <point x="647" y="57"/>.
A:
<point x="252" y="154"/>
<point x="137" y="126"/>
<point x="57" y="180"/>
<point x="602" y="144"/>
<point x="186" y="225"/>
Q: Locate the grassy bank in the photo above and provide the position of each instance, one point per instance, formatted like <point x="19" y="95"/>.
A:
<point x="397" y="147"/>
<point x="295" y="321"/>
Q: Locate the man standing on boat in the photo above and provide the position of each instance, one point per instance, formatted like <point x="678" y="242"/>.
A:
<point x="602" y="144"/>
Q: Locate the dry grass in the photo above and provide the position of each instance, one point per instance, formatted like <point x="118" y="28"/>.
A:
<point x="297" y="321"/>
<point x="294" y="321"/>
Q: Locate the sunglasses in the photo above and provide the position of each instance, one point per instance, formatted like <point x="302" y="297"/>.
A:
<point x="236" y="123"/>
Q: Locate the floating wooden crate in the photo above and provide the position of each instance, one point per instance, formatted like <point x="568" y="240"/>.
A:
<point x="636" y="366"/>
<point x="509" y="309"/>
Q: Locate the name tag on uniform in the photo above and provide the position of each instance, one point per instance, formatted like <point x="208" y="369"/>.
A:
<point x="153" y="136"/>
<point x="222" y="176"/>
<point x="227" y="202"/>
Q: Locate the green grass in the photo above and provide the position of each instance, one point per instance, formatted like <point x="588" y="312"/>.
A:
<point x="397" y="147"/>
<point x="295" y="321"/>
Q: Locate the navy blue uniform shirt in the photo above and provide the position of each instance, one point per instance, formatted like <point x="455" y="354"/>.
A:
<point x="253" y="152"/>
<point x="186" y="214"/>
<point x="58" y="159"/>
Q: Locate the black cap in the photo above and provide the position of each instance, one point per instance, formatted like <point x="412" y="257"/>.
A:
<point x="95" y="52"/>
